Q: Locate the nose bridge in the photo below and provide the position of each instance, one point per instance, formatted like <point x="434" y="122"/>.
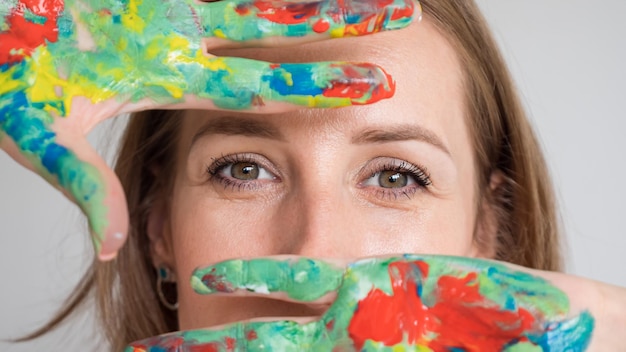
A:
<point x="322" y="226"/>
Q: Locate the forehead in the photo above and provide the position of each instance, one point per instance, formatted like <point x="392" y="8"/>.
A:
<point x="428" y="76"/>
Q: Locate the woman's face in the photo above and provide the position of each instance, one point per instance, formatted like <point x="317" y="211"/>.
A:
<point x="393" y="177"/>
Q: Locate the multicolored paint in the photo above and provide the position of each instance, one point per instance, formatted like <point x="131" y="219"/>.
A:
<point x="53" y="52"/>
<point x="425" y="303"/>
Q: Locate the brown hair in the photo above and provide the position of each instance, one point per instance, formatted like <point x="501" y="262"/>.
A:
<point x="502" y="136"/>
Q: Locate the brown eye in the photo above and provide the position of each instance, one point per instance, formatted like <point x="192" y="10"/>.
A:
<point x="245" y="171"/>
<point x="392" y="179"/>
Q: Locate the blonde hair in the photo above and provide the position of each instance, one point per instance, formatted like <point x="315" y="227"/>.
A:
<point x="503" y="140"/>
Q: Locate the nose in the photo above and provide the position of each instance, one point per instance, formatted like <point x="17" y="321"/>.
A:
<point x="323" y="221"/>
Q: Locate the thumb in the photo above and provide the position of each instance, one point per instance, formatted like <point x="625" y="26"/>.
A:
<point x="84" y="176"/>
<point x="64" y="158"/>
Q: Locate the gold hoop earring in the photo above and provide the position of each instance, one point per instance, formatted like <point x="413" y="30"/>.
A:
<point x="165" y="275"/>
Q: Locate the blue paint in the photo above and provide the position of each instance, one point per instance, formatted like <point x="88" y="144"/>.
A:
<point x="299" y="73"/>
<point x="571" y="335"/>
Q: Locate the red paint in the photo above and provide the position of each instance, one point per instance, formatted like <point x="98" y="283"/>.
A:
<point x="288" y="13"/>
<point x="24" y="36"/>
<point x="274" y="66"/>
<point x="321" y="26"/>
<point x="461" y="317"/>
<point x="217" y="283"/>
<point x="330" y="324"/>
<point x="242" y="9"/>
<point x="251" y="335"/>
<point x="405" y="12"/>
<point x="399" y="13"/>
<point x="178" y="343"/>
<point x="355" y="86"/>
<point x="230" y="343"/>
<point x="169" y="343"/>
<point x="208" y="347"/>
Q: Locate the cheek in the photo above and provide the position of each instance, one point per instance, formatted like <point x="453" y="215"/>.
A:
<point x="443" y="229"/>
<point x="206" y="230"/>
<point x="203" y="233"/>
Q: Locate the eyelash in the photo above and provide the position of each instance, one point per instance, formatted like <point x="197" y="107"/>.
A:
<point x="224" y="161"/>
<point x="417" y="172"/>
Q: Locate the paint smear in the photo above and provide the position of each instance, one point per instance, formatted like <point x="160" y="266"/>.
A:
<point x="424" y="303"/>
<point x="151" y="49"/>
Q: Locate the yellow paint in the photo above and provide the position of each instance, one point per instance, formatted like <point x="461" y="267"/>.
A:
<point x="122" y="44"/>
<point x="213" y="64"/>
<point x="153" y="49"/>
<point x="351" y="31"/>
<point x="338" y="32"/>
<point x="323" y="101"/>
<point x="219" y="33"/>
<point x="288" y="77"/>
<point x="44" y="77"/>
<point x="7" y="83"/>
<point x="179" y="43"/>
<point x="172" y="86"/>
<point x="131" y="18"/>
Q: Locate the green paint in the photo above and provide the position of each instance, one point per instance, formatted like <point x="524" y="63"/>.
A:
<point x="302" y="279"/>
<point x="490" y="290"/>
<point x="151" y="49"/>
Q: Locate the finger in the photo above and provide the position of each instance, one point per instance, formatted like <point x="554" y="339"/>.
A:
<point x="442" y="277"/>
<point x="300" y="279"/>
<point x="287" y="335"/>
<point x="67" y="161"/>
<point x="249" y="84"/>
<point x="461" y="302"/>
<point x="154" y="65"/>
<point x="197" y="82"/>
<point x="287" y="22"/>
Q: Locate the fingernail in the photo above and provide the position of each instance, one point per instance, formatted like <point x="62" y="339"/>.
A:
<point x="110" y="246"/>
<point x="105" y="257"/>
<point x="362" y="83"/>
<point x="331" y="84"/>
<point x="223" y="277"/>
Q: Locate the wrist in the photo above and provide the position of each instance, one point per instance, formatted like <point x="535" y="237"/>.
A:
<point x="610" y="318"/>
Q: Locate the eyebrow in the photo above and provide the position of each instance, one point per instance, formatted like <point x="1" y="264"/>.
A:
<point x="399" y="133"/>
<point x="231" y="126"/>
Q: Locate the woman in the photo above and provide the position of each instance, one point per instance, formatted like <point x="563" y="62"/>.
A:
<point x="448" y="166"/>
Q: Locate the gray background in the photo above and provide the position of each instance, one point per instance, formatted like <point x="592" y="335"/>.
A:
<point x="568" y="60"/>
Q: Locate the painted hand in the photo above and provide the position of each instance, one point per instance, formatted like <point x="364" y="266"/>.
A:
<point x="425" y="303"/>
<point x="66" y="65"/>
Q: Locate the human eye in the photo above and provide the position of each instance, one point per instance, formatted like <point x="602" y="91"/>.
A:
<point x="241" y="171"/>
<point x="391" y="178"/>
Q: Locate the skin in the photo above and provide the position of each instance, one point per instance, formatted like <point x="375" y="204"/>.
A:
<point x="312" y="198"/>
<point x="316" y="196"/>
<point x="319" y="199"/>
<point x="67" y="65"/>
<point x="429" y="303"/>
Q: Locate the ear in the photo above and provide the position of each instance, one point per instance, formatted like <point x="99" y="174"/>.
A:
<point x="488" y="218"/>
<point x="159" y="234"/>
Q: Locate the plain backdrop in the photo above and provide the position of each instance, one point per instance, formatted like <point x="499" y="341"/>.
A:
<point x="568" y="58"/>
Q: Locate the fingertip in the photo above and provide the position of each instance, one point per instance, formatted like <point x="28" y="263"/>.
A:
<point x="106" y="257"/>
<point x="419" y="11"/>
<point x="111" y="246"/>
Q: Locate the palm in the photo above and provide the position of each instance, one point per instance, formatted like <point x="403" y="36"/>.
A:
<point x="67" y="65"/>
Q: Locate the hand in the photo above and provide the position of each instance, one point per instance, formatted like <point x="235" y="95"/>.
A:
<point x="423" y="302"/>
<point x="65" y="66"/>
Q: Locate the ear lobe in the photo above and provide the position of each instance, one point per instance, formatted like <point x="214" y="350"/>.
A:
<point x="489" y="217"/>
<point x="157" y="229"/>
